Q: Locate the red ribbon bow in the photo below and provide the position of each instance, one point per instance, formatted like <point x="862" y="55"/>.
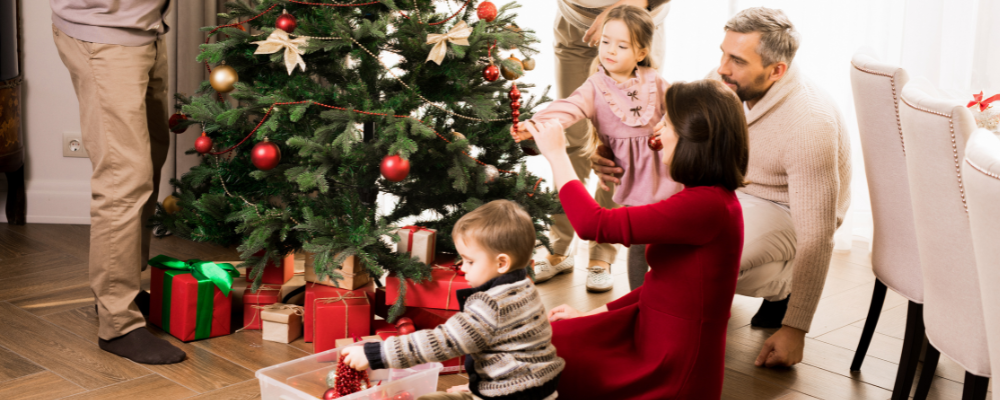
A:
<point x="983" y="104"/>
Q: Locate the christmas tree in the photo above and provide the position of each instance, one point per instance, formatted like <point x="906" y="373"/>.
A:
<point x="331" y="99"/>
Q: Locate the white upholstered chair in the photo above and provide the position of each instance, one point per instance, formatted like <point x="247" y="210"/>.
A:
<point x="895" y="259"/>
<point x="981" y="171"/>
<point x="935" y="130"/>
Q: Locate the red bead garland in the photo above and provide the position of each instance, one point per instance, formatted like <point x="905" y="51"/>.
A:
<point x="349" y="380"/>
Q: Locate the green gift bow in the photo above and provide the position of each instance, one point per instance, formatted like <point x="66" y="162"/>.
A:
<point x="220" y="274"/>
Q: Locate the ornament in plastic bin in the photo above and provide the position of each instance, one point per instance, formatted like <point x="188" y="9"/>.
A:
<point x="346" y="381"/>
<point x="403" y="396"/>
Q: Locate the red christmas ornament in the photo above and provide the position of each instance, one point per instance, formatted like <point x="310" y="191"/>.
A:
<point x="515" y="97"/>
<point x="515" y="94"/>
<point x="240" y="27"/>
<point x="529" y="148"/>
<point x="265" y="155"/>
<point x="175" y="120"/>
<point x="403" y="396"/>
<point x="654" y="143"/>
<point x="349" y="380"/>
<point x="491" y="73"/>
<point x="405" y="326"/>
<point x="330" y="394"/>
<point x="394" y="168"/>
<point x="203" y="144"/>
<point x="515" y="105"/>
<point x="487" y="11"/>
<point x="286" y="22"/>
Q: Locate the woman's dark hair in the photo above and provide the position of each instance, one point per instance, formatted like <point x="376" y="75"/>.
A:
<point x="711" y="129"/>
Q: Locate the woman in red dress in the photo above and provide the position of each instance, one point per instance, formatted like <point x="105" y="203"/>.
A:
<point x="666" y="339"/>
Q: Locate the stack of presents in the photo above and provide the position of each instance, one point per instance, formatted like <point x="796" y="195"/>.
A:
<point x="195" y="299"/>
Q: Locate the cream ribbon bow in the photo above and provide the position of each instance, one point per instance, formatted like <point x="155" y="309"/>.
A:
<point x="459" y="34"/>
<point x="279" y="40"/>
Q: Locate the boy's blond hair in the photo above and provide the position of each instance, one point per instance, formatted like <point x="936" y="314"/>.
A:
<point x="500" y="226"/>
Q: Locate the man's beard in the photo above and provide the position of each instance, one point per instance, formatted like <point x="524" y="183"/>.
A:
<point x="749" y="93"/>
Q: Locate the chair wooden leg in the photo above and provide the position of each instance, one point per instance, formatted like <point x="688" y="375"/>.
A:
<point x="975" y="387"/>
<point x="913" y="340"/>
<point x="874" y="311"/>
<point x="17" y="203"/>
<point x="927" y="374"/>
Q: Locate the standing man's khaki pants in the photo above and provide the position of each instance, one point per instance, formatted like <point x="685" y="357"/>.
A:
<point x="123" y="117"/>
<point x="573" y="61"/>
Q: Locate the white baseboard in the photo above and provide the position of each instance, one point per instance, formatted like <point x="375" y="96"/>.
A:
<point x="54" y="202"/>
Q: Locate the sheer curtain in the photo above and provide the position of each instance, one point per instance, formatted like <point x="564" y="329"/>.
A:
<point x="950" y="42"/>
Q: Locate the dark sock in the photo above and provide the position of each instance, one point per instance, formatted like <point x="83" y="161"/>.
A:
<point x="141" y="300"/>
<point x="770" y="314"/>
<point x="142" y="347"/>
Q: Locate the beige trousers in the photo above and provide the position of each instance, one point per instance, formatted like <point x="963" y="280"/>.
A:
<point x="573" y="60"/>
<point x="122" y="92"/>
<point x="768" y="249"/>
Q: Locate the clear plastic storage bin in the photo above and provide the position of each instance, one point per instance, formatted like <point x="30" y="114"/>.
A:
<point x="305" y="379"/>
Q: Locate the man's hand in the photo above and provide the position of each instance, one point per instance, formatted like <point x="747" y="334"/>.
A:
<point x="783" y="348"/>
<point x="355" y="357"/>
<point x="607" y="171"/>
<point x="593" y="35"/>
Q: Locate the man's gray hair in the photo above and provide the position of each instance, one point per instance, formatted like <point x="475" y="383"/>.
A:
<point x="778" y="38"/>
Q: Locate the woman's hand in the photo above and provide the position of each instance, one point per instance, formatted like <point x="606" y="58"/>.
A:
<point x="563" y="312"/>
<point x="354" y="356"/>
<point x="549" y="137"/>
<point x="519" y="132"/>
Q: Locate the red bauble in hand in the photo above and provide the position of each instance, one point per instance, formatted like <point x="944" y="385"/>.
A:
<point x="175" y="120"/>
<point x="654" y="143"/>
<point x="265" y="155"/>
<point x="491" y="73"/>
<point x="286" y="22"/>
<point x="395" y="168"/>
<point x="487" y="11"/>
<point x="203" y="144"/>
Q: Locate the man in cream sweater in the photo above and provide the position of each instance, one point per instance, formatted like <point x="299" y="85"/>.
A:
<point x="577" y="33"/>
<point x="799" y="178"/>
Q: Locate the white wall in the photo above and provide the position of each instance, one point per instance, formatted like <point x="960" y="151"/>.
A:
<point x="58" y="188"/>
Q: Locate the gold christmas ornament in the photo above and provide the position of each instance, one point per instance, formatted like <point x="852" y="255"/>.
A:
<point x="528" y="64"/>
<point x="223" y="78"/>
<point x="458" y="136"/>
<point x="511" y="74"/>
<point x="278" y="41"/>
<point x="170" y="205"/>
<point x="459" y="34"/>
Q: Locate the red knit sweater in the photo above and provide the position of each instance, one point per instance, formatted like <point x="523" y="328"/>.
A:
<point x="666" y="339"/>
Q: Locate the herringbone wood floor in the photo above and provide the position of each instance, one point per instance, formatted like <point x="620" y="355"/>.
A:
<point x="48" y="333"/>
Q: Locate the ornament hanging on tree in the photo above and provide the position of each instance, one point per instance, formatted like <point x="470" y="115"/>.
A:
<point x="278" y="41"/>
<point x="286" y="22"/>
<point x="654" y="143"/>
<point x="512" y="69"/>
<point x="487" y="11"/>
<point x="491" y="73"/>
<point x="515" y="103"/>
<point x="528" y="64"/>
<point x="170" y="204"/>
<point x="240" y="27"/>
<point x="513" y="28"/>
<point x="459" y="34"/>
<point x="223" y="78"/>
<point x="394" y="168"/>
<point x="203" y="144"/>
<point x="175" y="120"/>
<point x="458" y="136"/>
<point x="265" y="155"/>
<point x="491" y="172"/>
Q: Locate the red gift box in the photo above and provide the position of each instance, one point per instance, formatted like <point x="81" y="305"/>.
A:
<point x="348" y="314"/>
<point x="254" y="302"/>
<point x="316" y="291"/>
<point x="275" y="274"/>
<point x="439" y="292"/>
<point x="385" y="330"/>
<point x="187" y="303"/>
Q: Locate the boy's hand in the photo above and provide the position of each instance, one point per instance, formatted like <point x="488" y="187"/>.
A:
<point x="563" y="312"/>
<point x="459" y="389"/>
<point x="354" y="356"/>
<point x="521" y="132"/>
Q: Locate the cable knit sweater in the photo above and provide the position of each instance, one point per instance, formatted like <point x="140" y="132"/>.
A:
<point x="800" y="156"/>
<point x="503" y="329"/>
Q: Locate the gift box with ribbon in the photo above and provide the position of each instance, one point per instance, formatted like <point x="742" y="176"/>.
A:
<point x="254" y="302"/>
<point x="190" y="299"/>
<point x="345" y="315"/>
<point x="438" y="292"/>
<point x="418" y="241"/>
<point x="316" y="292"/>
<point x="353" y="274"/>
<point x="282" y="322"/>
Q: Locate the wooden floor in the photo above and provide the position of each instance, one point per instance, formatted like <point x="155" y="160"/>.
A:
<point x="48" y="333"/>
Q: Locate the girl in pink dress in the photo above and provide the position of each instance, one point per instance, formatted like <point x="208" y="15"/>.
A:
<point x="624" y="101"/>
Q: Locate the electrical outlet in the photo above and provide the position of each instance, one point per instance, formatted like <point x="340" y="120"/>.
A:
<point x="73" y="145"/>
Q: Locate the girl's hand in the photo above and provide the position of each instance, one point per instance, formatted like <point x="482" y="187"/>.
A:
<point x="521" y="132"/>
<point x="549" y="137"/>
<point x="563" y="312"/>
<point x="458" y="389"/>
<point x="355" y="357"/>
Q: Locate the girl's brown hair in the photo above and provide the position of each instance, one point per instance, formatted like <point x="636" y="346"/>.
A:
<point x="712" y="137"/>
